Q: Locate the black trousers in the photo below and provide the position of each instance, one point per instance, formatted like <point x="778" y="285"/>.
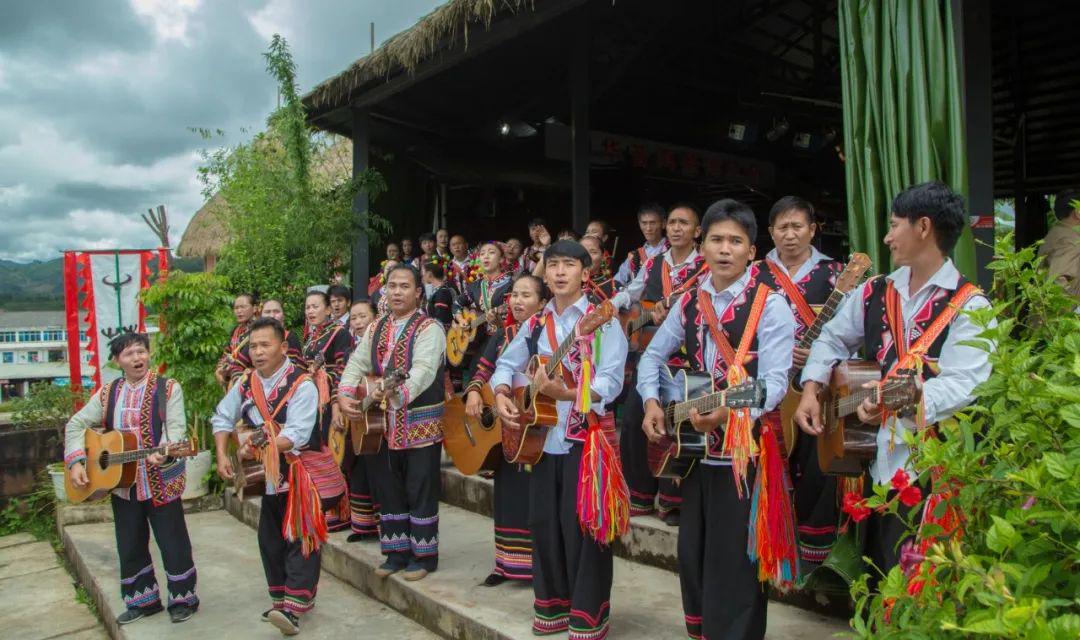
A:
<point x="816" y="504"/>
<point x="721" y="594"/>
<point x="633" y="447"/>
<point x="883" y="534"/>
<point x="513" y="540"/>
<point x="571" y="571"/>
<point x="291" y="578"/>
<point x="408" y="485"/>
<point x="362" y="501"/>
<point x="138" y="585"/>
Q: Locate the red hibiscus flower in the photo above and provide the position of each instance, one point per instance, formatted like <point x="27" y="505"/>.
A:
<point x="855" y="506"/>
<point x="900" y="480"/>
<point x="910" y="496"/>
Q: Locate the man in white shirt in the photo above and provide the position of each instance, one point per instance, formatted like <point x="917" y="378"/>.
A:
<point x="655" y="283"/>
<point x="650" y="220"/>
<point x="407" y="480"/>
<point x="133" y="404"/>
<point x="722" y="597"/>
<point x="926" y="222"/>
<point x="572" y="572"/>
<point x="278" y="400"/>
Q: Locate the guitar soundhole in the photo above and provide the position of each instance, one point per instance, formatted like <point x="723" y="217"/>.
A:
<point x="487" y="419"/>
<point x="103" y="460"/>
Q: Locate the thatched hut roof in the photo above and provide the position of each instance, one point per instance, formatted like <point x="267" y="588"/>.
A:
<point x="438" y="30"/>
<point x="208" y="231"/>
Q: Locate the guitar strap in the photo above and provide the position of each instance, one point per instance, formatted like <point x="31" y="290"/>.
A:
<point x="806" y="312"/>
<point x="738" y="442"/>
<point x="665" y="279"/>
<point x="271" y="459"/>
<point x="913" y="356"/>
<point x="549" y="330"/>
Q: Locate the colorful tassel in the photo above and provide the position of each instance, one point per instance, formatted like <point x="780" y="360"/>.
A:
<point x="304" y="518"/>
<point x="773" y="542"/>
<point x="739" y="442"/>
<point x="603" y="499"/>
<point x="271" y="460"/>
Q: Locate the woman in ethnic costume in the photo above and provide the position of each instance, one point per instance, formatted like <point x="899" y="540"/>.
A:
<point x="513" y="541"/>
<point x="327" y="346"/>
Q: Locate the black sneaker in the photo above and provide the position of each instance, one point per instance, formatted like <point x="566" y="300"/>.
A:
<point x="265" y="617"/>
<point x="493" y="580"/>
<point x="286" y="623"/>
<point x="131" y="615"/>
<point x="180" y="612"/>
<point x="360" y="537"/>
<point x="671" y="519"/>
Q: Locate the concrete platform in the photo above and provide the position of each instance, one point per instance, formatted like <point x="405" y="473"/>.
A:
<point x="231" y="587"/>
<point x="649" y="541"/>
<point x="645" y="601"/>
<point x="38" y="595"/>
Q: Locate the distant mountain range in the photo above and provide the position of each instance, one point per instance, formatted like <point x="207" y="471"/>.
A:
<point x="40" y="284"/>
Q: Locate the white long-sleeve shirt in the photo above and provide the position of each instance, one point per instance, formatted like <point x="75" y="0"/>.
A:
<point x="429" y="350"/>
<point x="775" y="343"/>
<point x="962" y="367"/>
<point x="633" y="291"/>
<point x="625" y="274"/>
<point x="303" y="410"/>
<point x="125" y="418"/>
<point x="608" y="373"/>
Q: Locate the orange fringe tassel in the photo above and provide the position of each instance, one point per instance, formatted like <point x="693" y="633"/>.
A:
<point x="304" y="519"/>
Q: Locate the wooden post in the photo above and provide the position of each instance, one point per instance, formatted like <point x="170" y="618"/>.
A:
<point x="971" y="30"/>
<point x="361" y="140"/>
<point x="579" y="122"/>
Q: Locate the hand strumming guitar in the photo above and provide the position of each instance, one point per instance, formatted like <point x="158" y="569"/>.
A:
<point x="474" y="404"/>
<point x="78" y="475"/>
<point x="808" y="414"/>
<point x="504" y="406"/>
<point x="654" y="422"/>
<point x="350" y="407"/>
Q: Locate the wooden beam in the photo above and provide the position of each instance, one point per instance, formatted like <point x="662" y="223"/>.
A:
<point x="361" y="251"/>
<point x="480" y="41"/>
<point x="579" y="123"/>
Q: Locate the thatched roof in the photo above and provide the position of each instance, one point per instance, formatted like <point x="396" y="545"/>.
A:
<point x="437" y="30"/>
<point x="208" y="232"/>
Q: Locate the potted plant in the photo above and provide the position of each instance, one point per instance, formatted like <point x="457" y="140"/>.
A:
<point x="193" y="311"/>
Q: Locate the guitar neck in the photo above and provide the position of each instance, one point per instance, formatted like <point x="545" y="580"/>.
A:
<point x="814" y="330"/>
<point x="560" y="353"/>
<point x="847" y="405"/>
<point x="481" y="318"/>
<point x="704" y="404"/>
<point x="138" y="454"/>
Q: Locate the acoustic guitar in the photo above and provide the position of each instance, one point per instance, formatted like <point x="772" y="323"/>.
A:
<point x="675" y="454"/>
<point x="848" y="280"/>
<point x="112" y="459"/>
<point x="473" y="444"/>
<point x="367" y="431"/>
<point x="537" y="412"/>
<point x="846" y="446"/>
<point x="249" y="477"/>
<point x="461" y="334"/>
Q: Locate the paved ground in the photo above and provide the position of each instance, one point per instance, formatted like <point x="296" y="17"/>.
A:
<point x="38" y="595"/>
<point x="232" y="589"/>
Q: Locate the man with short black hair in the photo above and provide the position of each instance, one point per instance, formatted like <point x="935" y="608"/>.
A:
<point x="721" y="321"/>
<point x="442" y="244"/>
<point x="407" y="481"/>
<point x="340" y="301"/>
<point x="151" y="409"/>
<point x="927" y="297"/>
<point x="650" y="219"/>
<point x="458" y="267"/>
<point x="572" y="569"/>
<point x="440" y="296"/>
<point x="1062" y="245"/>
<point x="279" y="400"/>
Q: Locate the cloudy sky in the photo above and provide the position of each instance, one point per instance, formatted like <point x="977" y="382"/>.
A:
<point x="96" y="98"/>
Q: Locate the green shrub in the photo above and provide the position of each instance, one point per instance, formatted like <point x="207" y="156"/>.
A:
<point x="1013" y="460"/>
<point x="47" y="405"/>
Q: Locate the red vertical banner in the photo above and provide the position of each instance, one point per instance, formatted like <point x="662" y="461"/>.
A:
<point x="144" y="283"/>
<point x="163" y="274"/>
<point x="71" y="316"/>
<point x="87" y="289"/>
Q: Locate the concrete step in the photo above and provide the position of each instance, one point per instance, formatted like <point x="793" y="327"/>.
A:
<point x="38" y="595"/>
<point x="231" y="587"/>
<point x="649" y="541"/>
<point x="646" y="600"/>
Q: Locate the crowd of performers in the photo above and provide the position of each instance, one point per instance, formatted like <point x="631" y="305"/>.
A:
<point x="751" y="511"/>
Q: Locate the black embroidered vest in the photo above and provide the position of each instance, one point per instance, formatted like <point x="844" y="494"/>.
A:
<point x="403" y="355"/>
<point x="878" y="340"/>
<point x="157" y="387"/>
<point x="654" y="276"/>
<point x="815" y="287"/>
<point x="274" y="397"/>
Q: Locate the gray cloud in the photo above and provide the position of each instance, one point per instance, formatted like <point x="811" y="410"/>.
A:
<point x="96" y="98"/>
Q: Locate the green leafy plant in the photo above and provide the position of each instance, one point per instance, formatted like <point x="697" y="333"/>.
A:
<point x="1009" y="469"/>
<point x="195" y="310"/>
<point x="33" y="513"/>
<point x="47" y="405"/>
<point x="289" y="194"/>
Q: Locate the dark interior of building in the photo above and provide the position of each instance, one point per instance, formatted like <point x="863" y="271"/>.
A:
<point x="687" y="101"/>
